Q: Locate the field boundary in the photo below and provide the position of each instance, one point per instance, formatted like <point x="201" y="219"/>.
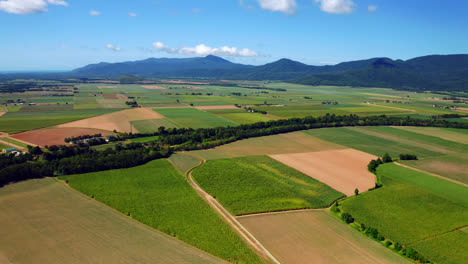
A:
<point x="432" y="174"/>
<point x="143" y="226"/>
<point x="231" y="220"/>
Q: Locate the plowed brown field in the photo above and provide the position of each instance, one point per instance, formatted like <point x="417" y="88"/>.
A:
<point x="55" y="136"/>
<point x="344" y="170"/>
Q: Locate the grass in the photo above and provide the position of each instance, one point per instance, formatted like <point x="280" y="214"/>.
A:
<point x="194" y="118"/>
<point x="381" y="140"/>
<point x="14" y="142"/>
<point x="2" y="147"/>
<point x="157" y="195"/>
<point x="144" y="139"/>
<point x="295" y="142"/>
<point x="184" y="162"/>
<point x="412" y="207"/>
<point x="17" y="125"/>
<point x="246" y="118"/>
<point x="53" y="223"/>
<point x="449" y="166"/>
<point x="441" y="248"/>
<point x="260" y="184"/>
<point x="149" y="126"/>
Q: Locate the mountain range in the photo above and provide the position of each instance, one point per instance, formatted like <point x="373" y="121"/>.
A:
<point x="434" y="72"/>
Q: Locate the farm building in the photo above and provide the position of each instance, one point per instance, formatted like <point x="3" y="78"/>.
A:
<point x="9" y="150"/>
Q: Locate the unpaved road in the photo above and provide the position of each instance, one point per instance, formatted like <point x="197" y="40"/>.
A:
<point x="246" y="235"/>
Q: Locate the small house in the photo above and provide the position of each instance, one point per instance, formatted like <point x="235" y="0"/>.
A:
<point x="8" y="150"/>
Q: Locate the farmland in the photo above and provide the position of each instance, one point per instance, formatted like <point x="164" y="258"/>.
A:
<point x="296" y="142"/>
<point x="194" y="118"/>
<point x="351" y="173"/>
<point x="55" y="136"/>
<point x="261" y="184"/>
<point x="63" y="226"/>
<point x="157" y="195"/>
<point x="119" y="121"/>
<point x="315" y="237"/>
<point x="407" y="200"/>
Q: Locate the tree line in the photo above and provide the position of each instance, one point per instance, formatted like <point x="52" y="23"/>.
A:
<point x="81" y="159"/>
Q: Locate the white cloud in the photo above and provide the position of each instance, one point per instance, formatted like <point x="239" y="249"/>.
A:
<point x="203" y="50"/>
<point x="112" y="47"/>
<point x="57" y="2"/>
<point x="132" y="14"/>
<point x="284" y="6"/>
<point x="94" y="13"/>
<point x="23" y="7"/>
<point x="336" y="6"/>
<point x="372" y="8"/>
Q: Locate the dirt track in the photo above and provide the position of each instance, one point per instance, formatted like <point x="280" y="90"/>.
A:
<point x="248" y="238"/>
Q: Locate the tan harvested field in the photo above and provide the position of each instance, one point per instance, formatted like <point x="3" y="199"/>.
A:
<point x="438" y="132"/>
<point x="315" y="236"/>
<point x="344" y="170"/>
<point x="114" y="96"/>
<point x="55" y="136"/>
<point x="295" y="142"/>
<point x="119" y="121"/>
<point x="45" y="221"/>
<point x="2" y="113"/>
<point x="107" y="87"/>
<point x="212" y="107"/>
<point x="153" y="87"/>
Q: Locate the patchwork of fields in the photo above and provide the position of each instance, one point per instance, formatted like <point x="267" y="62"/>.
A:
<point x="44" y="221"/>
<point x="422" y="207"/>
<point x="157" y="195"/>
<point x="251" y="178"/>
<point x="260" y="184"/>
<point x="314" y="236"/>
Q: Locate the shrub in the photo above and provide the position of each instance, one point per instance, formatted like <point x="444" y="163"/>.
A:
<point x="398" y="246"/>
<point x="408" y="157"/>
<point x="356" y="191"/>
<point x="347" y="218"/>
<point x="380" y="237"/>
<point x="386" y="158"/>
<point x="388" y="243"/>
<point x="363" y="227"/>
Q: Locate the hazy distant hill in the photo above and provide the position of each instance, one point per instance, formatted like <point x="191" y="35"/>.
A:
<point x="436" y="72"/>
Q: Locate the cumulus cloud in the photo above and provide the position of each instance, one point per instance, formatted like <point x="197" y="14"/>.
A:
<point x="336" y="6"/>
<point x="132" y="14"/>
<point x="94" y="13"/>
<point x="372" y="8"/>
<point x="23" y="7"/>
<point x="284" y="6"/>
<point x="204" y="50"/>
<point x="113" y="48"/>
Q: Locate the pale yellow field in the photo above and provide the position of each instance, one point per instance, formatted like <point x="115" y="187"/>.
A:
<point x="344" y="170"/>
<point x="119" y="121"/>
<point x="45" y="221"/>
<point x="438" y="132"/>
<point x="277" y="144"/>
<point x="305" y="237"/>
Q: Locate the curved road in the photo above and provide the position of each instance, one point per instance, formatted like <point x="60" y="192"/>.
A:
<point x="246" y="235"/>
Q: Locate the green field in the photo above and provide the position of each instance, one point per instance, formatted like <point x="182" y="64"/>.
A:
<point x="190" y="117"/>
<point x="17" y="125"/>
<point x="413" y="207"/>
<point x="260" y="184"/>
<point x="14" y="142"/>
<point x="149" y="126"/>
<point x="157" y="195"/>
<point x="144" y="139"/>
<point x="53" y="223"/>
<point x="184" y="162"/>
<point x="2" y="147"/>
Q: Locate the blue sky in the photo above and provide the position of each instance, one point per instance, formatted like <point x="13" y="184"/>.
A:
<point x="65" y="34"/>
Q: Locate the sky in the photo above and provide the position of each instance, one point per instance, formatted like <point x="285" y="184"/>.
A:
<point x="66" y="34"/>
